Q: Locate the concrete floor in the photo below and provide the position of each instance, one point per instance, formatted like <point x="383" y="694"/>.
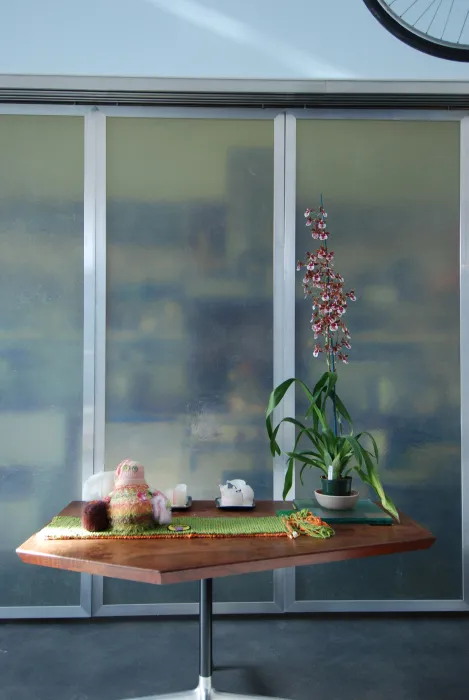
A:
<point x="324" y="658"/>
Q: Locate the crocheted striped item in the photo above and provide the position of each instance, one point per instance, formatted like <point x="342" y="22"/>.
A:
<point x="130" y="509"/>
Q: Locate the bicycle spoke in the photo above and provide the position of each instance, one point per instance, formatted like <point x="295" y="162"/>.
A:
<point x="424" y="13"/>
<point x="409" y="8"/>
<point x="467" y="13"/>
<point x="434" y="16"/>
<point x="447" y="19"/>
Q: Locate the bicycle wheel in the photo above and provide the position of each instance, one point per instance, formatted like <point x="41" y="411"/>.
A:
<point x="436" y="27"/>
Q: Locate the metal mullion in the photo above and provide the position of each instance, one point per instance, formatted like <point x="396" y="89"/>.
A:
<point x="42" y="612"/>
<point x="464" y="344"/>
<point x="266" y="607"/>
<point x="284" y="302"/>
<point x="45" y="110"/>
<point x="94" y="329"/>
<point x="377" y="606"/>
<point x="111" y="84"/>
<point x="284" y="281"/>
<point x="100" y="327"/>
<point x="289" y="308"/>
<point x="89" y="306"/>
<point x="383" y="114"/>
<point x="278" y="311"/>
<point x="171" y="112"/>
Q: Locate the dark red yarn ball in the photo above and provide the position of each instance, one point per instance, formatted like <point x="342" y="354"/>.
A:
<point x="95" y="516"/>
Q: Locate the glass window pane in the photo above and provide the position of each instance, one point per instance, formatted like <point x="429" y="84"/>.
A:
<point x="189" y="311"/>
<point x="41" y="343"/>
<point x="391" y="190"/>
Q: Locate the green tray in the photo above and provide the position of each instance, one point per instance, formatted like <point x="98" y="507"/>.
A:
<point x="364" y="512"/>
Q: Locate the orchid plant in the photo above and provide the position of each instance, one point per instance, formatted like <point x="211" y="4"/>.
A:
<point x="332" y="446"/>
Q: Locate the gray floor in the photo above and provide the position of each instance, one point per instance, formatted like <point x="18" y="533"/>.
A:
<point x="324" y="658"/>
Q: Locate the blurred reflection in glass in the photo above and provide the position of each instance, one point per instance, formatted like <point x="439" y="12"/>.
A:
<point x="392" y="193"/>
<point x="41" y="342"/>
<point x="189" y="344"/>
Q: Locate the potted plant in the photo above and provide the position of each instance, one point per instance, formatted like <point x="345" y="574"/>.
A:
<point x="326" y="439"/>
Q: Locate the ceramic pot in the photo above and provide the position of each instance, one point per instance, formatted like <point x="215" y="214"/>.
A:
<point x="336" y="487"/>
<point x="337" y="502"/>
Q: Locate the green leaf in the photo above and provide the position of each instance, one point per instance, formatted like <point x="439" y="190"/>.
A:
<point x="342" y="410"/>
<point x="305" y="431"/>
<point x="311" y="398"/>
<point x="310" y="453"/>
<point x="274" y="446"/>
<point x="315" y="415"/>
<point x="294" y="421"/>
<point x="277" y="395"/>
<point x="301" y="457"/>
<point x="336" y="467"/>
<point x="373" y="441"/>
<point x="329" y="393"/>
<point x="288" y="479"/>
<point x="319" y="389"/>
<point x="274" y="399"/>
<point x="356" y="448"/>
<point x="363" y="475"/>
<point x="301" y="473"/>
<point x="332" y="381"/>
<point x="321" y="418"/>
<point x="371" y="477"/>
<point x="371" y="468"/>
<point x="321" y="383"/>
<point x="390" y="507"/>
<point x="385" y="500"/>
<point x="345" y="448"/>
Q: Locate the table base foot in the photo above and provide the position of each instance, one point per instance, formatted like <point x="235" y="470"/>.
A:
<point x="205" y="691"/>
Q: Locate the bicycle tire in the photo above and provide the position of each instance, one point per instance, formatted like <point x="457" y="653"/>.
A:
<point x="414" y="38"/>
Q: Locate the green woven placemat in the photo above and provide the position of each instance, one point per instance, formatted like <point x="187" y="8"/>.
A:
<point x="69" y="528"/>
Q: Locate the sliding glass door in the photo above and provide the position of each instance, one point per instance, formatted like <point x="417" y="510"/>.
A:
<point x="391" y="189"/>
<point x="189" y="343"/>
<point x="41" y="345"/>
<point x="150" y="302"/>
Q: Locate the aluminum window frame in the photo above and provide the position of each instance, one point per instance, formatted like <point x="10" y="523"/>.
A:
<point x="94" y="355"/>
<point x="291" y="605"/>
<point x="98" y="606"/>
<point x="83" y="608"/>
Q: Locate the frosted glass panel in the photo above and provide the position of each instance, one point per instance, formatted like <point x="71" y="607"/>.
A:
<point x="189" y="309"/>
<point x="41" y="343"/>
<point x="392" y="193"/>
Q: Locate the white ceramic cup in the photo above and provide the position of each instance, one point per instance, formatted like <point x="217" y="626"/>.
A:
<point x="179" y="495"/>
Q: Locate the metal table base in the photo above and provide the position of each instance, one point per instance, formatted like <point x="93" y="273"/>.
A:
<point x="205" y="690"/>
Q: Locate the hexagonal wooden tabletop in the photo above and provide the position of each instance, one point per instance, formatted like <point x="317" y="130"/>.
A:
<point x="173" y="560"/>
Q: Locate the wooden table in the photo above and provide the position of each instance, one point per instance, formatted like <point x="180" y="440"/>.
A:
<point x="174" y="560"/>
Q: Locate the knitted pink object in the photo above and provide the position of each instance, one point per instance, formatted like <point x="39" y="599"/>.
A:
<point x="130" y="473"/>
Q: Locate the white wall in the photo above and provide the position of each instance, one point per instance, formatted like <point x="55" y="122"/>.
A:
<point x="284" y="39"/>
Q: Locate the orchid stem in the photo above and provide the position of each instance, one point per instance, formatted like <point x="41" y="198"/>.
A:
<point x="332" y="362"/>
<point x="334" y="404"/>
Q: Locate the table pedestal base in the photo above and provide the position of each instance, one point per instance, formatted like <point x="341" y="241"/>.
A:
<point x="204" y="690"/>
